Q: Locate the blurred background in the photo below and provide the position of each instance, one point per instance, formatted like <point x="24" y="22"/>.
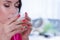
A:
<point x="45" y="15"/>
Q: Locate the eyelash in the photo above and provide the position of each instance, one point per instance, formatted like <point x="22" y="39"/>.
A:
<point x="9" y="6"/>
<point x="6" y="5"/>
<point x="17" y="6"/>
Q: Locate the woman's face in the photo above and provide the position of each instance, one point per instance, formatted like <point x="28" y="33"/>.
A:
<point x="8" y="8"/>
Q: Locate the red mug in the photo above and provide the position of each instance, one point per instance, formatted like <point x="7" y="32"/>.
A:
<point x="17" y="36"/>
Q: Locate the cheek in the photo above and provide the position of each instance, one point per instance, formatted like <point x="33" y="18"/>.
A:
<point x="7" y="13"/>
<point x="3" y="12"/>
<point x="12" y="12"/>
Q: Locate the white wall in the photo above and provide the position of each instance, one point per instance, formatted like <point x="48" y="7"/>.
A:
<point x="41" y="8"/>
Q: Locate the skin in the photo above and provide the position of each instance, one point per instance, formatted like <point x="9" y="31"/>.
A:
<point x="8" y="21"/>
<point x="9" y="11"/>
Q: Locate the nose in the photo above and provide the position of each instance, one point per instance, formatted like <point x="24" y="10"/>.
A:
<point x="12" y="13"/>
<point x="13" y="10"/>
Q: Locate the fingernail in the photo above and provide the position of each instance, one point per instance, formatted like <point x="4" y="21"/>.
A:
<point x="17" y="36"/>
<point x="18" y="15"/>
<point x="24" y="20"/>
<point x="26" y="14"/>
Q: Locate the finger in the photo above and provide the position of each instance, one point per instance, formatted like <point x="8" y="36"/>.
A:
<point x="13" y="19"/>
<point x="27" y="32"/>
<point x="22" y="22"/>
<point x="11" y="28"/>
<point x="29" y="24"/>
<point x="16" y="31"/>
<point x="18" y="27"/>
<point x="17" y="22"/>
<point x="26" y="17"/>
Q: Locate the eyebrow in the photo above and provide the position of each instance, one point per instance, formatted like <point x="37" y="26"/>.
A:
<point x="17" y="2"/>
<point x="10" y="1"/>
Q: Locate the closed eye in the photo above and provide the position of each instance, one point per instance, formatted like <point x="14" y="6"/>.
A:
<point x="6" y="4"/>
<point x="17" y="4"/>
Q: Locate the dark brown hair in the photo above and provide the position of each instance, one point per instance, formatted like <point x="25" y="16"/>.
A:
<point x="20" y="4"/>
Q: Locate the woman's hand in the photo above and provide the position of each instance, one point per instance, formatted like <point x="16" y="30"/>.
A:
<point x="8" y="29"/>
<point x="27" y="21"/>
<point x="13" y="26"/>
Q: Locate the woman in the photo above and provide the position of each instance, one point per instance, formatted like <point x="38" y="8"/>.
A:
<point x="9" y="25"/>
